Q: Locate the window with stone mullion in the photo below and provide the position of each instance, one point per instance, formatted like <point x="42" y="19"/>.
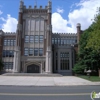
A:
<point x="11" y="42"/>
<point x="5" y="42"/>
<point x="26" y="51"/>
<point x="41" y="38"/>
<point x="41" y="52"/>
<point x="36" y="38"/>
<point x="36" y="51"/>
<point x="31" y="38"/>
<point x="26" y="39"/>
<point x="30" y="51"/>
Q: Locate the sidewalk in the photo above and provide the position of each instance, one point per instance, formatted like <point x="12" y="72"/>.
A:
<point x="44" y="81"/>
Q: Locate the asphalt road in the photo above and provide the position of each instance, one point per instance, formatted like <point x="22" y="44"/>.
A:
<point x="47" y="93"/>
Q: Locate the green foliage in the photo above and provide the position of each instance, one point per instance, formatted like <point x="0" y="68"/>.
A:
<point x="79" y="68"/>
<point x="94" y="38"/>
<point x="89" y="51"/>
<point x="1" y="65"/>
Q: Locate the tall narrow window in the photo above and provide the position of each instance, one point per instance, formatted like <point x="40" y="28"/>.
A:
<point x="65" y="41"/>
<point x="26" y="39"/>
<point x="10" y="53"/>
<point x="8" y="42"/>
<point x="14" y="42"/>
<point x="31" y="38"/>
<point x="7" y="53"/>
<point x="55" y="40"/>
<point x="10" y="65"/>
<point x="40" y="52"/>
<point x="26" y="51"/>
<point x="68" y="41"/>
<point x="36" y="38"/>
<point x="36" y="52"/>
<point x="52" y="40"/>
<point x="59" y="41"/>
<point x="4" y="53"/>
<point x="30" y="51"/>
<point x="41" y="38"/>
<point x="62" y="41"/>
<point x="64" y="60"/>
<point x="5" y="42"/>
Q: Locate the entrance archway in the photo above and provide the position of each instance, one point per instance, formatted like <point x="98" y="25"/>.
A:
<point x="33" y="68"/>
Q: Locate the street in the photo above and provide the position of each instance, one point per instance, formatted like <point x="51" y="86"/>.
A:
<point x="47" y="92"/>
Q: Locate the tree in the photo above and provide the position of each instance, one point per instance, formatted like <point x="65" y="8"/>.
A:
<point x="89" y="51"/>
<point x="94" y="38"/>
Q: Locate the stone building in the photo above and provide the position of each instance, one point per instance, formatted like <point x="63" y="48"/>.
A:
<point x="33" y="48"/>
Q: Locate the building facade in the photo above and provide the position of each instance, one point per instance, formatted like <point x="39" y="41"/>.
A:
<point x="33" y="48"/>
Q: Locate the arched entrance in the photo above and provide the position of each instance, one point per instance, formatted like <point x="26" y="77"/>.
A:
<point x="33" y="69"/>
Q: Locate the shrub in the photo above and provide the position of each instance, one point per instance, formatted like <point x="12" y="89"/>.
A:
<point x="79" y="68"/>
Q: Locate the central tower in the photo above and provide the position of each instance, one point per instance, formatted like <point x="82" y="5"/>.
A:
<point x="33" y="39"/>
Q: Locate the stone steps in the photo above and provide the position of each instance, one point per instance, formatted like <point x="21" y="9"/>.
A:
<point x="32" y="74"/>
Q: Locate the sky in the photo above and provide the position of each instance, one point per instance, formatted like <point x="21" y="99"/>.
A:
<point x="65" y="14"/>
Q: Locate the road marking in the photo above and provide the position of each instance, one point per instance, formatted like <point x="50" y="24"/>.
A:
<point x="23" y="94"/>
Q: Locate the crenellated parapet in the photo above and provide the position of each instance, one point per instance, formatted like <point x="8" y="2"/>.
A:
<point x="35" y="7"/>
<point x="64" y="34"/>
<point x="9" y="33"/>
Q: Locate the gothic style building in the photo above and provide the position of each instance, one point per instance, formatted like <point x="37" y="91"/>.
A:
<point x="34" y="48"/>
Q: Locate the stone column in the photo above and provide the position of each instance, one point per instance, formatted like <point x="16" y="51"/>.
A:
<point x="16" y="66"/>
<point x="48" y="67"/>
<point x="41" y="71"/>
<point x="70" y="59"/>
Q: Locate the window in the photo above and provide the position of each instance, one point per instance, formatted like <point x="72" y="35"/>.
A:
<point x="31" y="38"/>
<point x="65" y="41"/>
<point x="26" y="39"/>
<point x="64" y="61"/>
<point x="4" y="53"/>
<point x="26" y="51"/>
<point x="52" y="40"/>
<point x="11" y="53"/>
<point x="40" y="52"/>
<point x="5" y="42"/>
<point x="14" y="42"/>
<point x="8" y="53"/>
<point x="36" y="52"/>
<point x="36" y="38"/>
<point x="55" y="40"/>
<point x="8" y="42"/>
<point x="8" y="65"/>
<point x="58" y="40"/>
<point x="62" y="41"/>
<point x="41" y="38"/>
<point x="68" y="41"/>
<point x="76" y="41"/>
<point x="30" y="51"/>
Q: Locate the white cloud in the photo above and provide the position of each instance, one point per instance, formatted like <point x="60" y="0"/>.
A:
<point x="60" y="24"/>
<point x="87" y="10"/>
<point x="82" y="15"/>
<point x="59" y="10"/>
<point x="10" y="24"/>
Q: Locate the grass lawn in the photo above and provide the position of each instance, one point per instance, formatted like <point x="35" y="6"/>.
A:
<point x="92" y="78"/>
